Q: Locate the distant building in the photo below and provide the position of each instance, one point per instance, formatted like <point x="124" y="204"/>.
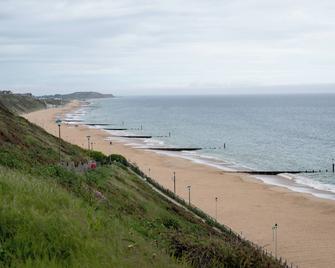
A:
<point x="6" y="92"/>
<point x="26" y="94"/>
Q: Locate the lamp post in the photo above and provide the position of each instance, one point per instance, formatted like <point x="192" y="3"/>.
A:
<point x="189" y="194"/>
<point x="274" y="238"/>
<point x="174" y="182"/>
<point x="216" y="208"/>
<point x="59" y="123"/>
<point x="88" y="141"/>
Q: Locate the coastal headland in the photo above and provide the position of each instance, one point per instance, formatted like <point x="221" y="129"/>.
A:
<point x="306" y="229"/>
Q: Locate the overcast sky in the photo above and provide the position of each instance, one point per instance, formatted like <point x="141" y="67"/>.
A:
<point x="166" y="47"/>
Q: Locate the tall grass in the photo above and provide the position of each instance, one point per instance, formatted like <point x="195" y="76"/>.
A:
<point x="51" y="216"/>
<point x="43" y="225"/>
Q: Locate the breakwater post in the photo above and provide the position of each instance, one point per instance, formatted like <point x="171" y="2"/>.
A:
<point x="333" y="165"/>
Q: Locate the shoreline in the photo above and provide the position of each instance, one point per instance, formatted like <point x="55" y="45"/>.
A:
<point x="295" y="181"/>
<point x="285" y="179"/>
<point x="245" y="204"/>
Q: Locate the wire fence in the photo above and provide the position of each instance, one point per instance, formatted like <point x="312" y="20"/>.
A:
<point x="222" y="228"/>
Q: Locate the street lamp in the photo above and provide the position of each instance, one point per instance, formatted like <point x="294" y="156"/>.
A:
<point x="59" y="123"/>
<point x="88" y="141"/>
<point x="274" y="238"/>
<point x="216" y="208"/>
<point x="189" y="194"/>
<point x="174" y="182"/>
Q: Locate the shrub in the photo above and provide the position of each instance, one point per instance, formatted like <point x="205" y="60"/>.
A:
<point x="118" y="158"/>
<point x="170" y="223"/>
<point x="98" y="156"/>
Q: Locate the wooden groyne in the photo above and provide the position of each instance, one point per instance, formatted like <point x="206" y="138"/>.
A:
<point x="72" y="120"/>
<point x="174" y="149"/>
<point x="97" y="124"/>
<point x="273" y="172"/>
<point x="116" y="128"/>
<point x="134" y="136"/>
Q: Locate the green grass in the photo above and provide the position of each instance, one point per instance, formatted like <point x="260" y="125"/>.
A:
<point x="108" y="217"/>
<point x="27" y="146"/>
<point x="21" y="103"/>
<point x="42" y="224"/>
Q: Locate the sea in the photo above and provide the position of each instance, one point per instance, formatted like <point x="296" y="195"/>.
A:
<point x="245" y="132"/>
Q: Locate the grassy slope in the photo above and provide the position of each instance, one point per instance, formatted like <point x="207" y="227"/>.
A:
<point x="52" y="217"/>
<point x="43" y="224"/>
<point x="21" y="103"/>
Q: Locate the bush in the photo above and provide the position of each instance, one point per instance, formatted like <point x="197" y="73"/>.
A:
<point x="170" y="223"/>
<point x="98" y="156"/>
<point x="118" y="158"/>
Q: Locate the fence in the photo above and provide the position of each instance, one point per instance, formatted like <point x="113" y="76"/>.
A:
<point x="222" y="228"/>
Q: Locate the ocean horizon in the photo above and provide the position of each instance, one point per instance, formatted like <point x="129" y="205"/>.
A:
<point x="236" y="132"/>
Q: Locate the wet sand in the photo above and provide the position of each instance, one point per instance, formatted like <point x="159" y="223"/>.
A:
<point x="306" y="231"/>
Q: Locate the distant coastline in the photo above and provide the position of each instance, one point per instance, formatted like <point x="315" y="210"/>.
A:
<point x="78" y="96"/>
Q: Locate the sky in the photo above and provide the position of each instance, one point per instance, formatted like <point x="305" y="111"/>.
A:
<point x="139" y="47"/>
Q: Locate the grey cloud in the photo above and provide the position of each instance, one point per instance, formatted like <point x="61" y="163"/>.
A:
<point x="130" y="46"/>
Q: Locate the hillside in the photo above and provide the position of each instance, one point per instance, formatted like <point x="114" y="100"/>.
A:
<point x="21" y="103"/>
<point x="52" y="215"/>
<point x="80" y="96"/>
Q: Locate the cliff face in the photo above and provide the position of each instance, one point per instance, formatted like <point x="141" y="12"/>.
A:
<point x="21" y="103"/>
<point x="25" y="103"/>
<point x="80" y="96"/>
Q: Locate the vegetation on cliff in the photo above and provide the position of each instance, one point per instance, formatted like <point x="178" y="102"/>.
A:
<point x="56" y="216"/>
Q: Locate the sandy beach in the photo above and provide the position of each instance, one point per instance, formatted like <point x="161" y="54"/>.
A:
<point x="306" y="223"/>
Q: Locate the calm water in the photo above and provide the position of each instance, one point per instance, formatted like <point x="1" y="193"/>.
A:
<point x="261" y="132"/>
